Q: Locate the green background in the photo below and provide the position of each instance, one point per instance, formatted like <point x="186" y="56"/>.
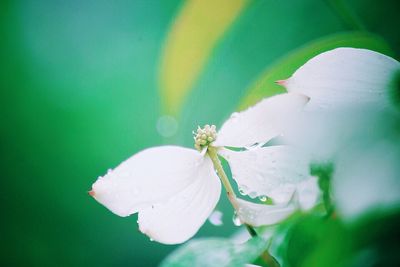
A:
<point x="79" y="95"/>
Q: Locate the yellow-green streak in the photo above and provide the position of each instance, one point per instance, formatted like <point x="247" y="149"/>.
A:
<point x="194" y="33"/>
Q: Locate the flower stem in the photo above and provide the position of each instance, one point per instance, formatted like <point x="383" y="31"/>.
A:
<point x="212" y="153"/>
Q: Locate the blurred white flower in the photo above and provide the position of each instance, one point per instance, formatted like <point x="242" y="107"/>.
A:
<point x="368" y="180"/>
<point x="352" y="119"/>
<point x="175" y="189"/>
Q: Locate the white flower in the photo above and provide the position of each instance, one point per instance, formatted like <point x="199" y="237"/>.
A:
<point x="348" y="89"/>
<point x="345" y="77"/>
<point x="352" y="119"/>
<point x="175" y="189"/>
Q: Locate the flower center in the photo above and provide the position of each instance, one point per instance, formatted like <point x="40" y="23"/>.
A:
<point x="203" y="137"/>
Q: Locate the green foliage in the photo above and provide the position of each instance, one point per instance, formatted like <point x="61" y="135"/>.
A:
<point x="310" y="240"/>
<point x="208" y="252"/>
<point x="324" y="172"/>
<point x="376" y="240"/>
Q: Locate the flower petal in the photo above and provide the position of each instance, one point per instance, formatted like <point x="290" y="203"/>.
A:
<point x="308" y="193"/>
<point x="368" y="181"/>
<point x="149" y="176"/>
<point x="345" y="77"/>
<point x="272" y="171"/>
<point x="262" y="122"/>
<point x="306" y="197"/>
<point x="260" y="214"/>
<point x="179" y="218"/>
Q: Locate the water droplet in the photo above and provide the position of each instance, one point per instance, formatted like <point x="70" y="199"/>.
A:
<point x="262" y="198"/>
<point x="241" y="191"/>
<point x="151" y="239"/>
<point x="109" y="171"/>
<point x="167" y="126"/>
<point x="236" y="220"/>
<point x="216" y="218"/>
<point x="252" y="194"/>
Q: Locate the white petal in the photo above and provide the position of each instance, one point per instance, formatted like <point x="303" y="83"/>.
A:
<point x="308" y="193"/>
<point x="178" y="219"/>
<point x="147" y="177"/>
<point x="368" y="181"/>
<point x="259" y="214"/>
<point x="262" y="122"/>
<point x="345" y="77"/>
<point x="270" y="171"/>
<point x="327" y="134"/>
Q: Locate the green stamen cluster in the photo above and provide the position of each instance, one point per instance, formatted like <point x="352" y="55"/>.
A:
<point x="203" y="137"/>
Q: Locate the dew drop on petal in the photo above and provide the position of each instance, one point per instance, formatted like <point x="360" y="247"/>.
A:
<point x="241" y="191"/>
<point x="236" y="220"/>
<point x="262" y="198"/>
<point x="167" y="126"/>
<point x="252" y="194"/>
<point x="216" y="218"/>
<point x="109" y="171"/>
<point x="151" y="239"/>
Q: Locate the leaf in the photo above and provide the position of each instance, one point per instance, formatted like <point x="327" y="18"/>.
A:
<point x="215" y="252"/>
<point x="309" y="240"/>
<point x="194" y="33"/>
<point x="265" y="85"/>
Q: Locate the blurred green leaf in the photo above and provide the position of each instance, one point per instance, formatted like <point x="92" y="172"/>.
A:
<point x="265" y="85"/>
<point x="215" y="252"/>
<point x="310" y="240"/>
<point x="376" y="240"/>
<point x="195" y="32"/>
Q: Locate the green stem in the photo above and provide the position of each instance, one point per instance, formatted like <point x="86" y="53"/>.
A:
<point x="212" y="153"/>
<point x="348" y="16"/>
<point x="269" y="260"/>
